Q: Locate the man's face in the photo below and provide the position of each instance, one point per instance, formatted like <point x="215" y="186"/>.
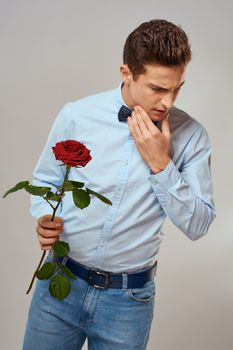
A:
<point x="155" y="90"/>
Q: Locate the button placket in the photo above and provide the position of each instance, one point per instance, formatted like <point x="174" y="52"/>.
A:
<point x="112" y="211"/>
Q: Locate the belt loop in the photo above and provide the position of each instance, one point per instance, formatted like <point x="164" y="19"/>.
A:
<point x="124" y="281"/>
<point x="64" y="260"/>
<point x="52" y="255"/>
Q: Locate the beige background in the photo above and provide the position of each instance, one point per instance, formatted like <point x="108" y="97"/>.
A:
<point x="57" y="51"/>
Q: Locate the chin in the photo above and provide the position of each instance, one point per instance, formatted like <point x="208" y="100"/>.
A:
<point x="155" y="118"/>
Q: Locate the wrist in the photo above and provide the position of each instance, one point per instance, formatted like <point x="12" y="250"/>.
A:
<point x="158" y="168"/>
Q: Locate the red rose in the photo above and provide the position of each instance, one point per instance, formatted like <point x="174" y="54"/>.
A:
<point x="72" y="153"/>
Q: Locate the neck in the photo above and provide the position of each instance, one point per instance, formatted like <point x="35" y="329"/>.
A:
<point x="126" y="96"/>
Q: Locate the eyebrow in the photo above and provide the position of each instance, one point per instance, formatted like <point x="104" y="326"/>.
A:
<point x="162" y="88"/>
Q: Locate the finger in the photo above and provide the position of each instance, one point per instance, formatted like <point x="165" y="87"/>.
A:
<point x="165" y="127"/>
<point x="45" y="221"/>
<point x="46" y="247"/>
<point x="135" y="127"/>
<point x="131" y="126"/>
<point x="147" y="121"/>
<point x="46" y="241"/>
<point x="129" y="122"/>
<point x="48" y="217"/>
<point x="47" y="232"/>
<point x="141" y="122"/>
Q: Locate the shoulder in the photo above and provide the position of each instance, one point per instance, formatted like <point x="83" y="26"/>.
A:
<point x="84" y="114"/>
<point x="183" y="124"/>
<point x="188" y="135"/>
<point x="91" y="101"/>
<point x="181" y="119"/>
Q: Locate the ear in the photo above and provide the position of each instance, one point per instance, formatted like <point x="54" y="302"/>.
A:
<point x="125" y="73"/>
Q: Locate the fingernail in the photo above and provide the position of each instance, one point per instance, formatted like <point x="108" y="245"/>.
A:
<point x="58" y="224"/>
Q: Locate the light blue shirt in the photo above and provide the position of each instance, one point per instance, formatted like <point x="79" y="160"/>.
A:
<point x="127" y="235"/>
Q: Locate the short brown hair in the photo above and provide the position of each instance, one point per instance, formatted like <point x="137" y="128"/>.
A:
<point x="156" y="42"/>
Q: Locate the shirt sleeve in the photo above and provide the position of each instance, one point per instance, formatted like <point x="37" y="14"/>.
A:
<point x="186" y="194"/>
<point x="47" y="171"/>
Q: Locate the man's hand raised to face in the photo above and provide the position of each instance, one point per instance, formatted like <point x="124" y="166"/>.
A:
<point x="152" y="143"/>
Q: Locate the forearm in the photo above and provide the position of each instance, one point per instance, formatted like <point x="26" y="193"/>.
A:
<point x="39" y="206"/>
<point x="186" y="209"/>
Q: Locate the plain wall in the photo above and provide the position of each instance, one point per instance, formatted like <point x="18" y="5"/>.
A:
<point x="57" y="51"/>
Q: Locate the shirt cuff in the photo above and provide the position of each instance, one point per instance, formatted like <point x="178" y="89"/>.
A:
<point x="165" y="179"/>
<point x="44" y="209"/>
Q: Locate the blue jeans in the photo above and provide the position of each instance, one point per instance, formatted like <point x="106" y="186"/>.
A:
<point x="110" y="319"/>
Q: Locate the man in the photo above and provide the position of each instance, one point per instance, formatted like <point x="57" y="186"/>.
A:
<point x="153" y="164"/>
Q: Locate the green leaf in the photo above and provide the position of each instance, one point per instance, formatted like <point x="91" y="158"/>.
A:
<point x="61" y="248"/>
<point x="77" y="184"/>
<point x="18" y="186"/>
<point x="52" y="196"/>
<point x="46" y="271"/>
<point x="67" y="271"/>
<point x="68" y="186"/>
<point x="81" y="198"/>
<point x="59" y="286"/>
<point x="37" y="190"/>
<point x="102" y="198"/>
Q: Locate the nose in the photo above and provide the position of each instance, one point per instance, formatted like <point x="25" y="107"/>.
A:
<point x="168" y="100"/>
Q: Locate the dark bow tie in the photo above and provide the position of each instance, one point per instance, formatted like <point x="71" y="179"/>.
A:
<point x="126" y="112"/>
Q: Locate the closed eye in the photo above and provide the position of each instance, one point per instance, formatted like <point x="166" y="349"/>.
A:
<point x="163" y="90"/>
<point x="158" y="90"/>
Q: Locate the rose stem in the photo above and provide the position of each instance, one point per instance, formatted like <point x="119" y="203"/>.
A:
<point x="52" y="219"/>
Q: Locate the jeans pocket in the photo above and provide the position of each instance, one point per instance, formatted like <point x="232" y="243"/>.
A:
<point x="41" y="286"/>
<point x="144" y="294"/>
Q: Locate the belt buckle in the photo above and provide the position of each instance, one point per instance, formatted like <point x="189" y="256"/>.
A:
<point x="99" y="273"/>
